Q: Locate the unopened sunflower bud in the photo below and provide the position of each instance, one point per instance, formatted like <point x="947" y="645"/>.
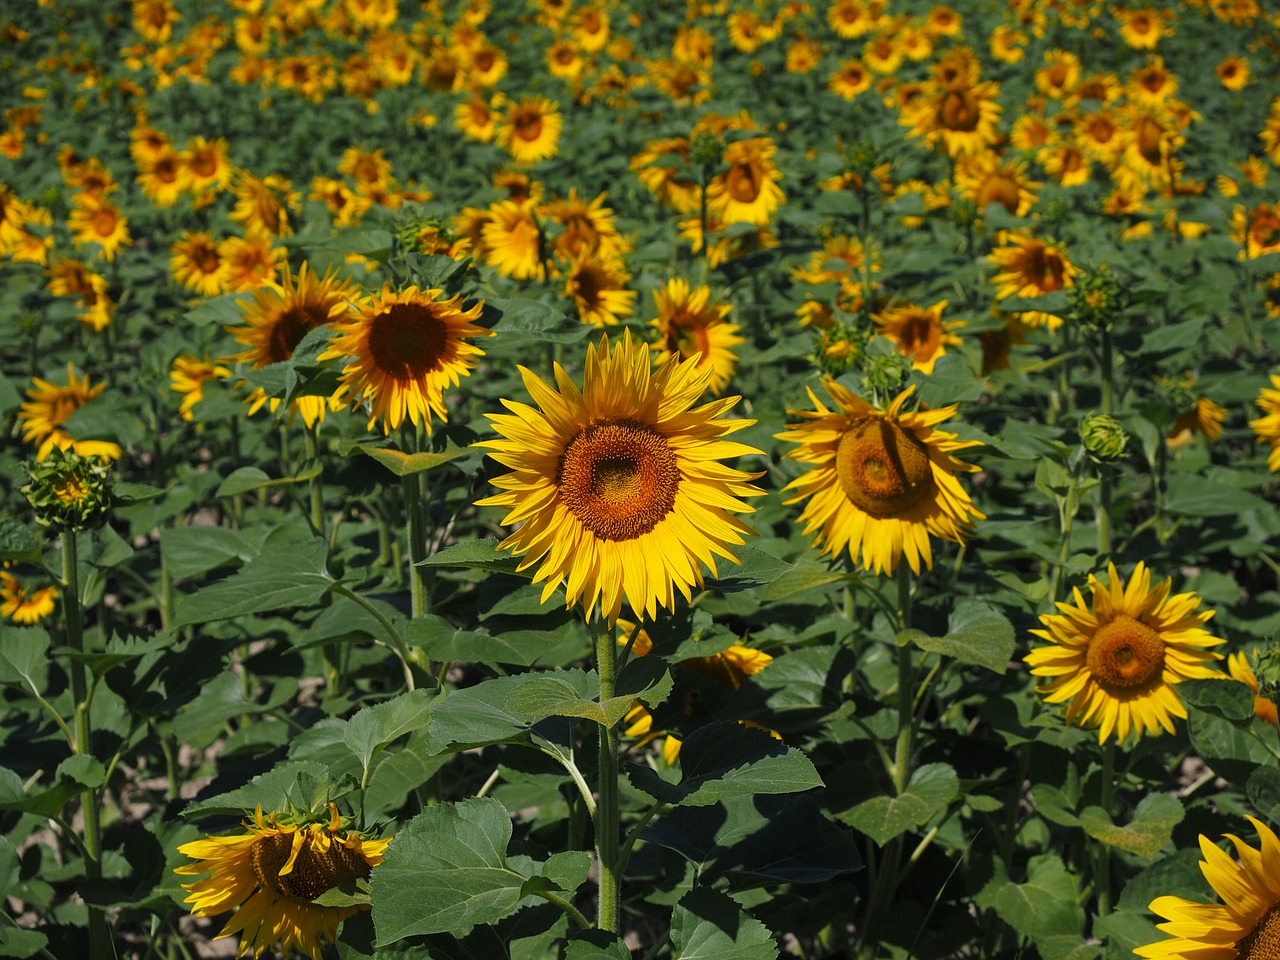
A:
<point x="861" y="158"/>
<point x="68" y="491"/>
<point x="1104" y="439"/>
<point x="706" y="151"/>
<point x="1095" y="297"/>
<point x="885" y="371"/>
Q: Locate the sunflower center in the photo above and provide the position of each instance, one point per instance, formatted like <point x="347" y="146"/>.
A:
<point x="959" y="111"/>
<point x="71" y="490"/>
<point x="315" y="869"/>
<point x="619" y="478"/>
<point x="690" y="339"/>
<point x="528" y="125"/>
<point x="204" y="163"/>
<point x="104" y="223"/>
<point x="882" y="468"/>
<point x="999" y="188"/>
<point x="407" y="341"/>
<point x="289" y="329"/>
<point x="1263" y="941"/>
<point x="921" y="336"/>
<point x="744" y="182"/>
<point x="1125" y="655"/>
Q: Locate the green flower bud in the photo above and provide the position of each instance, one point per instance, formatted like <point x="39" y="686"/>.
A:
<point x="1104" y="439"/>
<point x="68" y="491"/>
<point x="1095" y="297"/>
<point x="861" y="158"/>
<point x="885" y="372"/>
<point x="706" y="151"/>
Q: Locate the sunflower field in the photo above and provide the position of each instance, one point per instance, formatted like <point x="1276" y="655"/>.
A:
<point x="640" y="479"/>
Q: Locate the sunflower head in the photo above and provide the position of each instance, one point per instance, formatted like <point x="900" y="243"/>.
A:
<point x="69" y="491"/>
<point x="1115" y="661"/>
<point x="618" y="487"/>
<point x="273" y="872"/>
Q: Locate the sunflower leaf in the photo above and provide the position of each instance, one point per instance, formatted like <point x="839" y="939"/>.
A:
<point x="931" y="790"/>
<point x="709" y="925"/>
<point x="977" y="633"/>
<point x="1146" y="834"/>
<point x="18" y="543"/>
<point x="477" y="555"/>
<point x="1224" y="697"/>
<point x="300" y="782"/>
<point x="448" y="871"/>
<point x="374" y="727"/>
<point x="293" y="575"/>
<point x="407" y="464"/>
<point x="756" y="568"/>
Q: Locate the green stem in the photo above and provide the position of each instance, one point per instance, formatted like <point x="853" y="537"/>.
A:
<point x="417" y="544"/>
<point x="315" y="489"/>
<point x="906" y="687"/>
<point x="573" y="912"/>
<point x="607" y="809"/>
<point x="400" y="648"/>
<point x="73" y="617"/>
<point x="1102" y="870"/>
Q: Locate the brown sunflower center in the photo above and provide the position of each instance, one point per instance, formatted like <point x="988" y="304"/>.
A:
<point x="528" y="124"/>
<point x="407" y="341"/>
<point x="204" y="163"/>
<point x="104" y="222"/>
<point x="691" y="338"/>
<point x="1263" y="941"/>
<point x="959" y="111"/>
<point x="920" y="335"/>
<point x="1125" y="655"/>
<point x="744" y="182"/>
<point x="315" y="870"/>
<point x="288" y="330"/>
<point x="882" y="468"/>
<point x="999" y="188"/>
<point x="619" y="478"/>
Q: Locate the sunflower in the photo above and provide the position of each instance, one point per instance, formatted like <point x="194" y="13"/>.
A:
<point x="748" y="191"/>
<point x="984" y="178"/>
<point x="883" y="54"/>
<point x="1233" y="73"/>
<point x="207" y="167"/>
<point x="849" y="79"/>
<point x="919" y="332"/>
<point x="162" y="176"/>
<point x="1264" y="707"/>
<point x="252" y="260"/>
<point x="512" y="240"/>
<point x="851" y="19"/>
<point x="1030" y="267"/>
<point x="882" y="480"/>
<point x="97" y="220"/>
<point x="1059" y="75"/>
<point x="961" y="116"/>
<point x="264" y="202"/>
<point x="279" y="316"/>
<point x="196" y="263"/>
<point x="188" y="377"/>
<point x="1267" y="427"/>
<point x="47" y="408"/>
<point x="597" y="288"/>
<point x="530" y="130"/>
<point x="476" y="118"/>
<point x="1116" y="662"/>
<point x="1204" y="417"/>
<point x="589" y="227"/>
<point x="691" y="326"/>
<point x="272" y="872"/>
<point x="591" y="28"/>
<point x="1246" y="926"/>
<point x="1143" y="28"/>
<point x="670" y="182"/>
<point x="619" y="487"/>
<point x="22" y="604"/>
<point x="405" y="349"/>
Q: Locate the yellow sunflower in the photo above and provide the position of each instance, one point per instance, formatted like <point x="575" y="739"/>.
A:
<point x="22" y="604"/>
<point x="589" y="227"/>
<point x="1264" y="707"/>
<point x="95" y="219"/>
<point x="405" y="349"/>
<point x="962" y="116"/>
<point x="1267" y="427"/>
<point x="882" y="480"/>
<point x="264" y="202"/>
<point x="919" y="332"/>
<point x="530" y="130"/>
<point x="196" y="263"/>
<point x="1030" y="267"/>
<point x="188" y="377"/>
<point x="1116" y="661"/>
<point x="748" y="191"/>
<point x="597" y="286"/>
<point x="690" y="326"/>
<point x="849" y="79"/>
<point x="47" y="408"/>
<point x="619" y="488"/>
<point x="985" y="178"/>
<point x="1204" y="417"/>
<point x="512" y="240"/>
<point x="162" y="176"/>
<point x="271" y="873"/>
<point x="252" y="260"/>
<point x="207" y="166"/>
<point x="1246" y="926"/>
<point x="280" y="315"/>
<point x="1233" y="73"/>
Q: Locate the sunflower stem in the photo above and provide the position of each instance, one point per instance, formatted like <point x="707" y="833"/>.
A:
<point x="99" y="943"/>
<point x="607" y="808"/>
<point x="417" y="544"/>
<point x="400" y="648"/>
<point x="573" y="912"/>
<point x="1102" y="870"/>
<point x="906" y="687"/>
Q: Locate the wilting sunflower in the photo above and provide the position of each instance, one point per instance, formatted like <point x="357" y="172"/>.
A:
<point x="919" y="332"/>
<point x="530" y="130"/>
<point x="619" y="488"/>
<point x="1267" y="427"/>
<point x="47" y="408"/>
<point x="1246" y="926"/>
<point x="280" y="315"/>
<point x="882" y="480"/>
<point x="1205" y="417"/>
<point x="405" y="349"/>
<point x="689" y="325"/>
<point x="271" y="873"/>
<point x="1115" y="662"/>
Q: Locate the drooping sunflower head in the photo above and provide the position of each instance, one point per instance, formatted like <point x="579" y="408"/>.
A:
<point x="882" y="480"/>
<point x="619" y="488"/>
<point x="1115" y="661"/>
<point x="271" y="874"/>
<point x="404" y="349"/>
<point x="47" y="408"/>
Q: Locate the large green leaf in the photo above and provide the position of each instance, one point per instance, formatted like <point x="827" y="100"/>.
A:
<point x="24" y="656"/>
<point x="977" y="633"/>
<point x="407" y="464"/>
<point x="374" y="727"/>
<point x="1045" y="906"/>
<point x="477" y="555"/>
<point x="708" y="925"/>
<point x="930" y="790"/>
<point x="442" y="641"/>
<point x="477" y="716"/>
<point x="1146" y="834"/>
<point x="759" y="840"/>
<point x="755" y="568"/>
<point x="290" y="575"/>
<point x="190" y="551"/>
<point x="1196" y="496"/>
<point x="302" y="783"/>
<point x="725" y="759"/>
<point x="448" y="870"/>
<point x="18" y="542"/>
<point x="221" y="699"/>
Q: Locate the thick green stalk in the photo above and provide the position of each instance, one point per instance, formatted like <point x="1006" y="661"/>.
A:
<point x="417" y="536"/>
<point x="1102" y="860"/>
<point x="906" y="688"/>
<point x="99" y="942"/>
<point x="1104" y="471"/>
<point x="607" y="808"/>
<point x="314" y="488"/>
